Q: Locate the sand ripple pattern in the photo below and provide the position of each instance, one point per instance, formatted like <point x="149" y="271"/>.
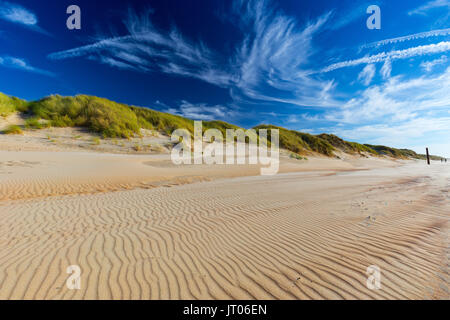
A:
<point x="285" y="237"/>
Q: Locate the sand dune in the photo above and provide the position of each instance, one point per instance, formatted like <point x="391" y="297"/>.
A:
<point x="156" y="232"/>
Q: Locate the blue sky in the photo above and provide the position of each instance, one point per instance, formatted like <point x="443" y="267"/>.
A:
<point x="312" y="66"/>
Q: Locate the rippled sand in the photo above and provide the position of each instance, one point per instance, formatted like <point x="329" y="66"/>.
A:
<point x="141" y="229"/>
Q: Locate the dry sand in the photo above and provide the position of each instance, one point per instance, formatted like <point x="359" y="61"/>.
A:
<point x="141" y="228"/>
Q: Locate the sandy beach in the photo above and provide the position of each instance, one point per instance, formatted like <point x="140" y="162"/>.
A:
<point x="140" y="227"/>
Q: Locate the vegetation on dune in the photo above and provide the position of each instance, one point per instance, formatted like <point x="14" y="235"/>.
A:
<point x="164" y="122"/>
<point x="402" y="153"/>
<point x="108" y="118"/>
<point x="346" y="146"/>
<point x="219" y="125"/>
<point x="35" y="123"/>
<point x="115" y="120"/>
<point x="13" y="129"/>
<point x="299" y="142"/>
<point x="9" y="105"/>
<point x="167" y="123"/>
<point x="387" y="151"/>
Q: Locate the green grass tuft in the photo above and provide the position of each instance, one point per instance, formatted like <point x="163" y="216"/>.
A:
<point x="34" y="123"/>
<point x="13" y="129"/>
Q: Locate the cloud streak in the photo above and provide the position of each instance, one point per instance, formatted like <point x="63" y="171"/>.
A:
<point x="21" y="64"/>
<point x="415" y="36"/>
<point x="440" y="47"/>
<point x="428" y="65"/>
<point x="15" y="13"/>
<point x="147" y="49"/>
<point x="367" y="74"/>
<point x="422" y="10"/>
<point x="202" y="111"/>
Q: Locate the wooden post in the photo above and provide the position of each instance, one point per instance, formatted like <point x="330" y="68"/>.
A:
<point x="428" y="157"/>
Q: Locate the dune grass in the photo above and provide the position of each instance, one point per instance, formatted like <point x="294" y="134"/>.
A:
<point x="35" y="123"/>
<point x="299" y="142"/>
<point x="13" y="129"/>
<point x="391" y="152"/>
<point x="402" y="153"/>
<point x="9" y="105"/>
<point x="108" y="118"/>
<point x="160" y="121"/>
<point x="346" y="146"/>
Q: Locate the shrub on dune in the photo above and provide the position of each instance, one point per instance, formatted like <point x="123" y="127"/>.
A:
<point x="35" y="123"/>
<point x="13" y="129"/>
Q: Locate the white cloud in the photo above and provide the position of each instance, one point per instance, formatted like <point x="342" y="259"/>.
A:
<point x="386" y="69"/>
<point x="415" y="36"/>
<point x="392" y="55"/>
<point x="15" y="13"/>
<point x="405" y="134"/>
<point x="399" y="112"/>
<point x="428" y="65"/>
<point x="422" y="10"/>
<point x="366" y="75"/>
<point x="397" y="100"/>
<point x="202" y="111"/>
<point x="21" y="64"/>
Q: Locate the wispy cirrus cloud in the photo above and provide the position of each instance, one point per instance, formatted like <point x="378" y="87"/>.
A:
<point x="273" y="59"/>
<point x="367" y="74"/>
<point x="18" y="14"/>
<point x="428" y="65"/>
<point x="422" y="10"/>
<point x="386" y="69"/>
<point x="21" y="64"/>
<point x="202" y="111"/>
<point x="269" y="65"/>
<point x="343" y="18"/>
<point x="440" y="47"/>
<point x="415" y="36"/>
<point x="147" y="49"/>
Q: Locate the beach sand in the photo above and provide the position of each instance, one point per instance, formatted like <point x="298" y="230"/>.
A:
<point x="140" y="227"/>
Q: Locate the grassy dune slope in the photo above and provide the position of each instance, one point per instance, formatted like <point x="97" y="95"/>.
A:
<point x="9" y="105"/>
<point x="116" y="120"/>
<point x="300" y="142"/>
<point x="400" y="153"/>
